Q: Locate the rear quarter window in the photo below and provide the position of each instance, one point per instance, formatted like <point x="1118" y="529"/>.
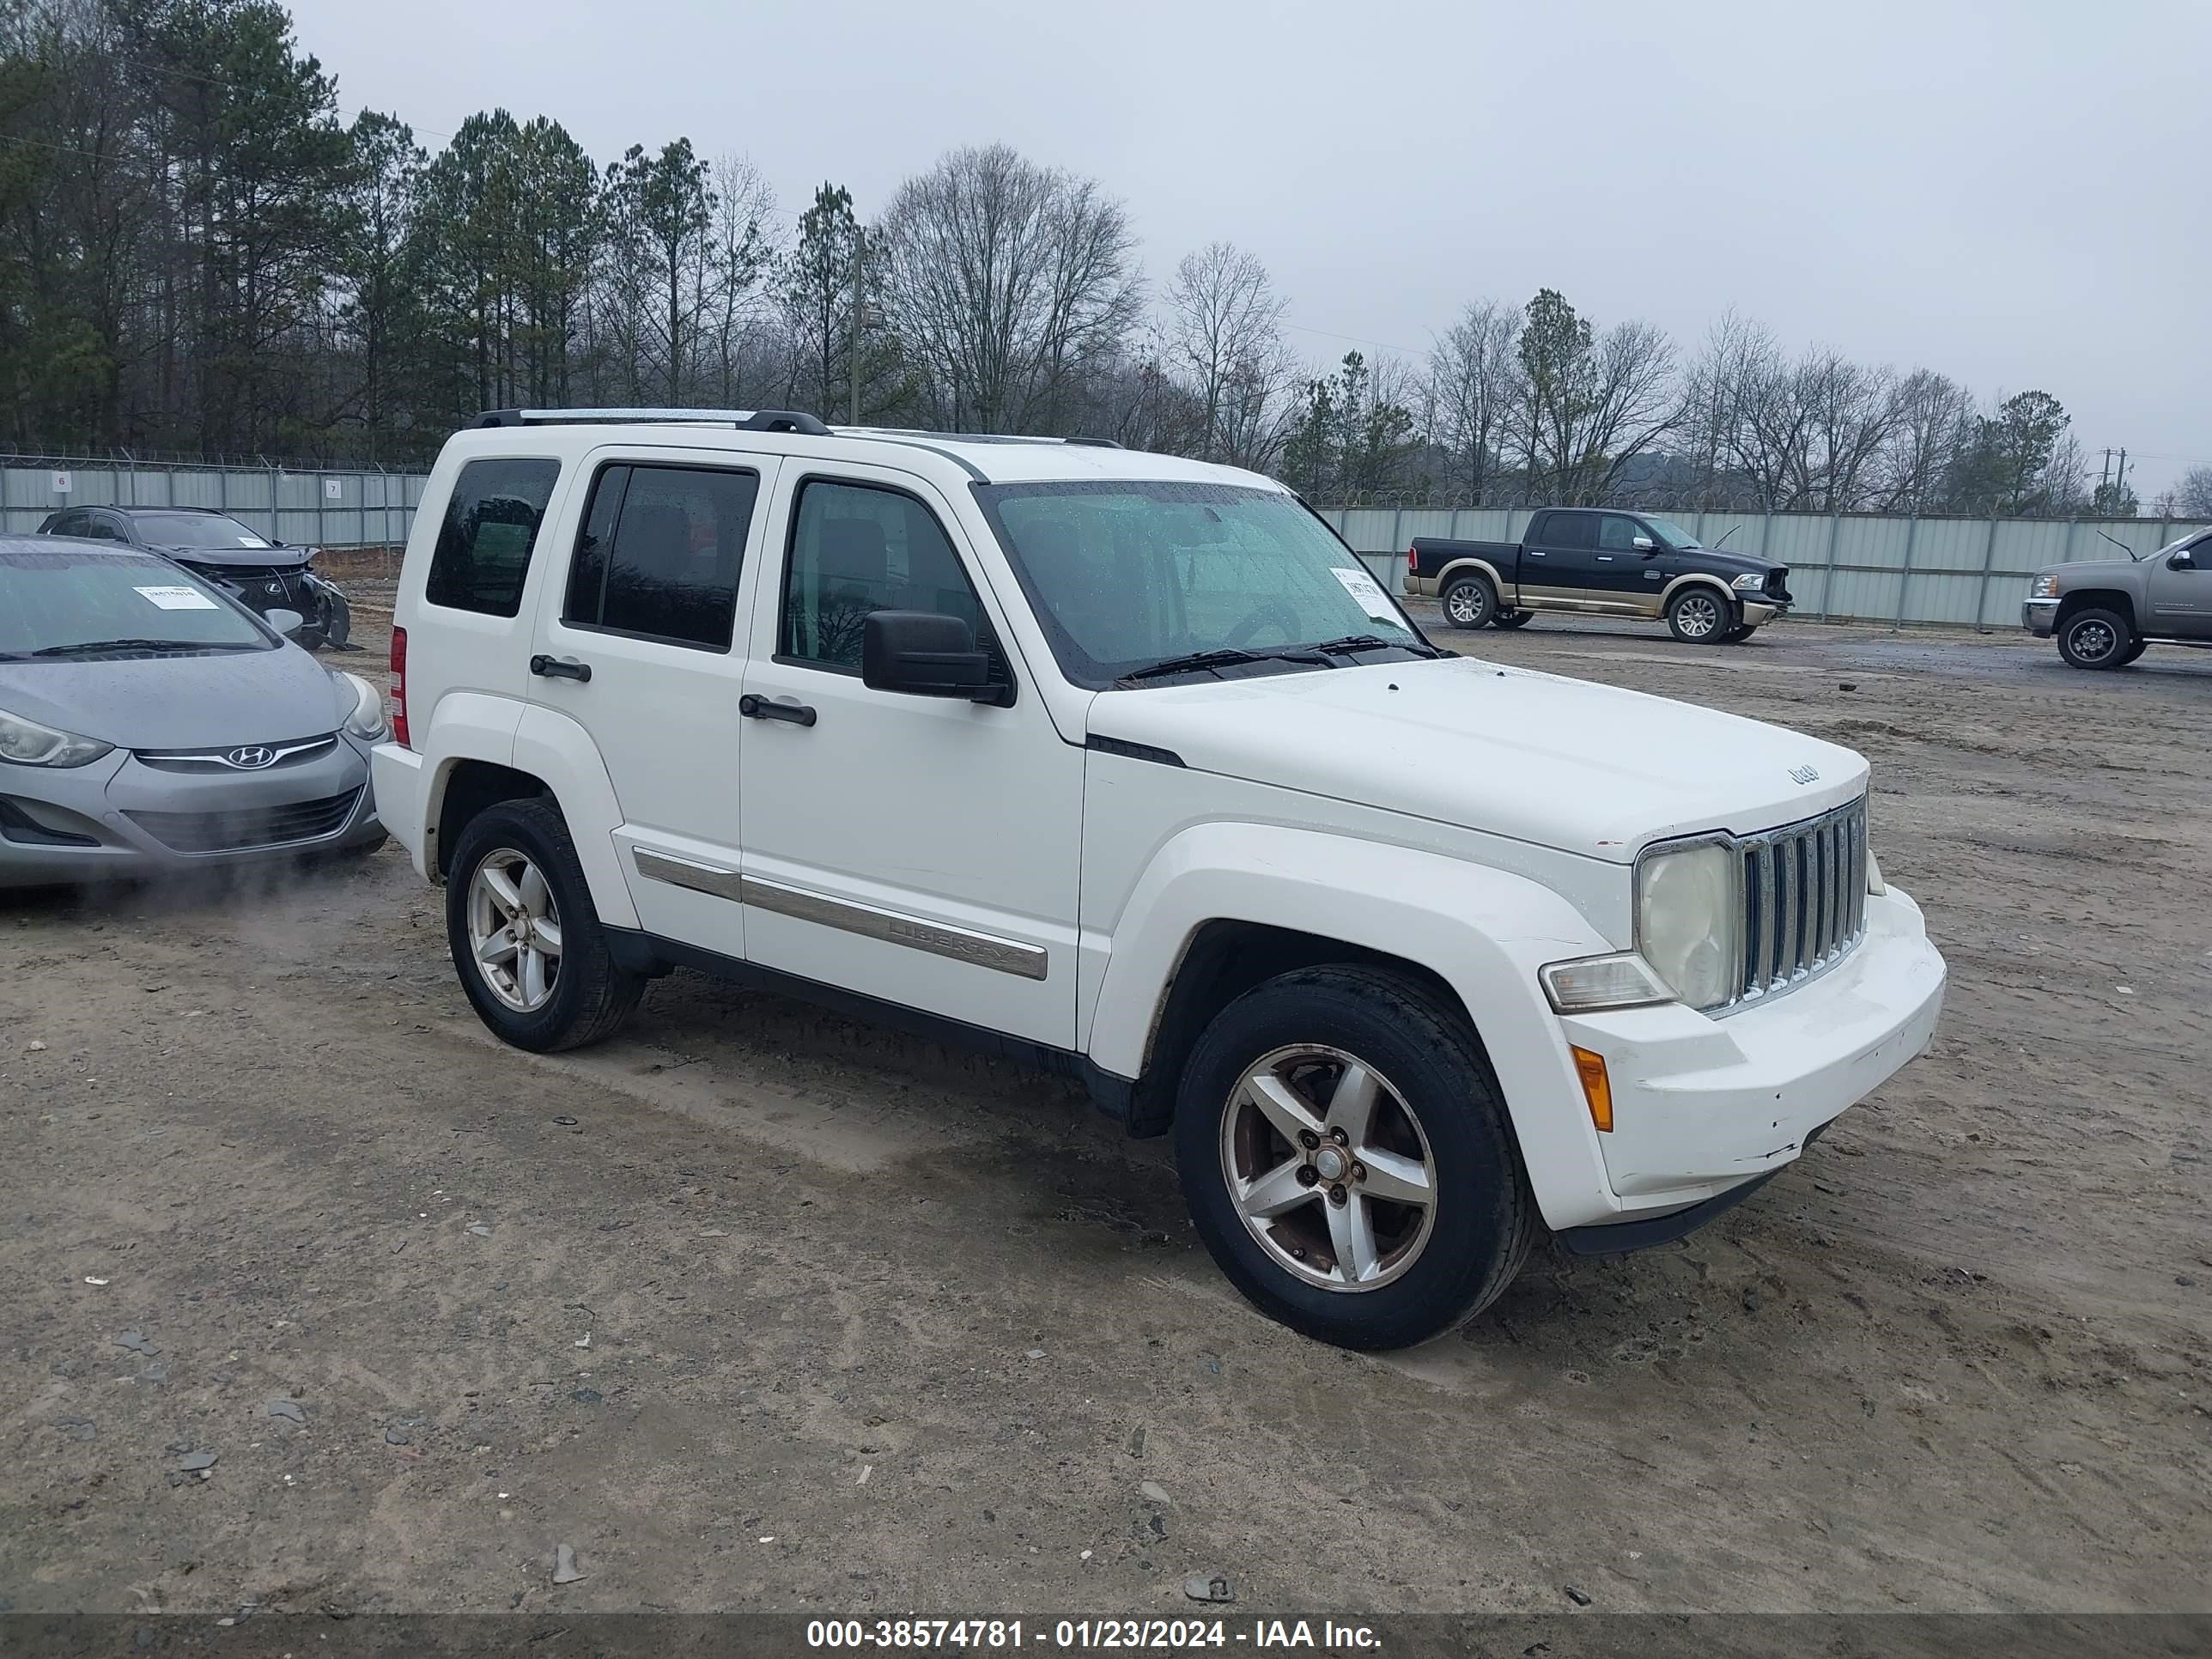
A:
<point x="487" y="534"/>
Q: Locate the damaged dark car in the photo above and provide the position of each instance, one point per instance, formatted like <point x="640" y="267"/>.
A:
<point x="262" y="575"/>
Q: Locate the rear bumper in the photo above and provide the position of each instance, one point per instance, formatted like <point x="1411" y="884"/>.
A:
<point x="106" y="821"/>
<point x="1422" y="586"/>
<point x="401" y="779"/>
<point x="2039" y="616"/>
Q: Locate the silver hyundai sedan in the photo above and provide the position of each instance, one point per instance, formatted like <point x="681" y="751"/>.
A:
<point x="149" y="724"/>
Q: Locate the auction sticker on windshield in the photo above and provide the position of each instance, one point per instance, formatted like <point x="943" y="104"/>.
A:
<point x="178" y="599"/>
<point x="1368" y="592"/>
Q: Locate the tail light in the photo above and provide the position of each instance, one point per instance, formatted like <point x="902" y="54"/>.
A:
<point x="399" y="687"/>
<point x="1413" y="560"/>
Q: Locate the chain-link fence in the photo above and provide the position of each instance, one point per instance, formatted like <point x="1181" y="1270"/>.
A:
<point x="1853" y="567"/>
<point x="336" y="506"/>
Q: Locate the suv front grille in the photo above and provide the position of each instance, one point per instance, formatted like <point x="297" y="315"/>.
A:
<point x="1804" y="897"/>
<point x="242" y="831"/>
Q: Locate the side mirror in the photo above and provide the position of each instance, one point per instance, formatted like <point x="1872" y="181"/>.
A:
<point x="287" y="622"/>
<point x="2182" y="561"/>
<point x="1645" y="544"/>
<point x="923" y="655"/>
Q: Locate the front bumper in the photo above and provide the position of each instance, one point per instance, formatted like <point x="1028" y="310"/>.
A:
<point x="119" y="819"/>
<point x="1701" y="1106"/>
<point x="2039" y="616"/>
<point x="1759" y="612"/>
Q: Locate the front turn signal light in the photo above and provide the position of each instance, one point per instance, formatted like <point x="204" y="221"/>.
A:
<point x="1597" y="1087"/>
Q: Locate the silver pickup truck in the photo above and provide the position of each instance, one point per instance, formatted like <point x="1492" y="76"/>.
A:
<point x="2105" y="612"/>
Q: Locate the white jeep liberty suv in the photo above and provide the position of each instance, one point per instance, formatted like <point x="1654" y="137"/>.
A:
<point x="1126" y="766"/>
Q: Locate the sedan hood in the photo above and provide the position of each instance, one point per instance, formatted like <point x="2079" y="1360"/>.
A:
<point x="1558" y="763"/>
<point x="181" y="702"/>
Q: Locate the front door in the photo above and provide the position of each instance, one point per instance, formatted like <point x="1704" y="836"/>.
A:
<point x="922" y="850"/>
<point x="2181" y="597"/>
<point x="639" y="641"/>
<point x="1625" y="574"/>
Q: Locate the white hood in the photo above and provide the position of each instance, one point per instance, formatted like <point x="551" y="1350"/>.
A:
<point x="1560" y="762"/>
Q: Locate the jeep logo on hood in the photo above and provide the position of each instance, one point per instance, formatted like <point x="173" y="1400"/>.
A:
<point x="1805" y="774"/>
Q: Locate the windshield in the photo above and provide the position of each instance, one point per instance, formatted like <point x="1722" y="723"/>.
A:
<point x="208" y="530"/>
<point x="1126" y="575"/>
<point x="1671" y="534"/>
<point x="55" y="598"/>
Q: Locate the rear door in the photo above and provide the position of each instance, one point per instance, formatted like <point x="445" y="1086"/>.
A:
<point x="2180" y="600"/>
<point x="641" y="641"/>
<point x="1558" y="561"/>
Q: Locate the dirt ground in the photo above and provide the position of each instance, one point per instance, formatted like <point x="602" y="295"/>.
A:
<point x="759" y="1309"/>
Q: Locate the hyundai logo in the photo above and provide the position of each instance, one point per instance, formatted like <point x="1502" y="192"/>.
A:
<point x="251" y="758"/>
<point x="1805" y="774"/>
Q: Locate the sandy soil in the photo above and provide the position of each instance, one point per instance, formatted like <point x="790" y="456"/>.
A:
<point x="759" y="1309"/>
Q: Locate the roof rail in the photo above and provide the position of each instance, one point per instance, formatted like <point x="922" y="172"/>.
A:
<point x="745" y="420"/>
<point x="970" y="437"/>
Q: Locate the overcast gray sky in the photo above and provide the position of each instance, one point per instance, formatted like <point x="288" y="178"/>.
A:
<point x="2014" y="192"/>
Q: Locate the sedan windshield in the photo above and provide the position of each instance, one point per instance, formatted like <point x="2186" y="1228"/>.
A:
<point x="1671" y="534"/>
<point x="196" y="529"/>
<point x="1132" y="578"/>
<point x="56" y="601"/>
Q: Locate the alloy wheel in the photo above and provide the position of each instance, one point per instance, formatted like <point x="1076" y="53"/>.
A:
<point x="1329" y="1168"/>
<point x="1698" y="617"/>
<point x="514" y="930"/>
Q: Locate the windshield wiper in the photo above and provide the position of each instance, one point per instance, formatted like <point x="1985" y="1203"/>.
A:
<point x="1351" y="642"/>
<point x="84" y="648"/>
<point x="1226" y="656"/>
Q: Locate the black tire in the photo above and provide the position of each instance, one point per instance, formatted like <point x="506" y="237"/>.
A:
<point x="590" y="996"/>
<point x="1739" y="633"/>
<point x="1482" y="1217"/>
<point x="1470" y="602"/>
<point x="2132" y="653"/>
<point x="2096" y="639"/>
<point x="1699" y="615"/>
<point x="1513" y="619"/>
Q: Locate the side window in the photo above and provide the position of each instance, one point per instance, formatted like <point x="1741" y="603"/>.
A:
<point x="69" y="524"/>
<point x="855" y="549"/>
<point x="1616" y="534"/>
<point x="659" y="552"/>
<point x="490" y="528"/>
<point x="1574" y="531"/>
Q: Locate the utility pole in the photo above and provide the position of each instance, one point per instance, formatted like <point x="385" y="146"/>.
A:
<point x="2121" y="487"/>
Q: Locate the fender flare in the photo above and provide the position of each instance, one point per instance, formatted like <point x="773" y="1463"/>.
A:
<point x="1701" y="578"/>
<point x="464" y="725"/>
<point x="1478" y="567"/>
<point x="1484" y="931"/>
<point x="555" y="749"/>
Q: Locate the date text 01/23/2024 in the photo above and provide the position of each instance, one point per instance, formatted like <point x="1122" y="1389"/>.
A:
<point x="1162" y="1634"/>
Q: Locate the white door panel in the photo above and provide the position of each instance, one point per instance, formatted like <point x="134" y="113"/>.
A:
<point x="922" y="850"/>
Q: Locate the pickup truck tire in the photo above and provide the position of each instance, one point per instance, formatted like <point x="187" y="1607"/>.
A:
<point x="1303" y="1101"/>
<point x="2133" y="652"/>
<point x="526" y="940"/>
<point x="1699" y="615"/>
<point x="1739" y="633"/>
<point x="2096" y="639"/>
<point x="1470" y="602"/>
<point x="1514" y="619"/>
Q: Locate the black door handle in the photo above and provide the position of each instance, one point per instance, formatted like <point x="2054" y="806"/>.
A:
<point x="761" y="708"/>
<point x="553" y="668"/>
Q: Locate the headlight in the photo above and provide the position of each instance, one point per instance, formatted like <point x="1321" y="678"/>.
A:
<point x="2044" y="587"/>
<point x="366" y="721"/>
<point x="29" y="744"/>
<point x="1689" y="919"/>
<point x="1750" y="582"/>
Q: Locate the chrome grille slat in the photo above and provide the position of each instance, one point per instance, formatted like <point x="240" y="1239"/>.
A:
<point x="1804" y="900"/>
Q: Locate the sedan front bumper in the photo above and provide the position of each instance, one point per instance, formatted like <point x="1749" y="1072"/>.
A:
<point x="2039" y="616"/>
<point x="122" y="819"/>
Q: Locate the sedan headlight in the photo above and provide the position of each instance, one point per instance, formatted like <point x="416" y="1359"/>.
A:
<point x="1689" y="917"/>
<point x="366" y="721"/>
<point x="1750" y="582"/>
<point x="26" y="743"/>
<point x="2044" y="587"/>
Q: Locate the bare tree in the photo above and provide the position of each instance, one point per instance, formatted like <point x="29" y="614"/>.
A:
<point x="1015" y="284"/>
<point x="1933" y="416"/>
<point x="1849" y="416"/>
<point x="1474" y="378"/>
<point x="1225" y="334"/>
<point x="744" y="252"/>
<point x="2192" y="497"/>
<point x="1592" y="403"/>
